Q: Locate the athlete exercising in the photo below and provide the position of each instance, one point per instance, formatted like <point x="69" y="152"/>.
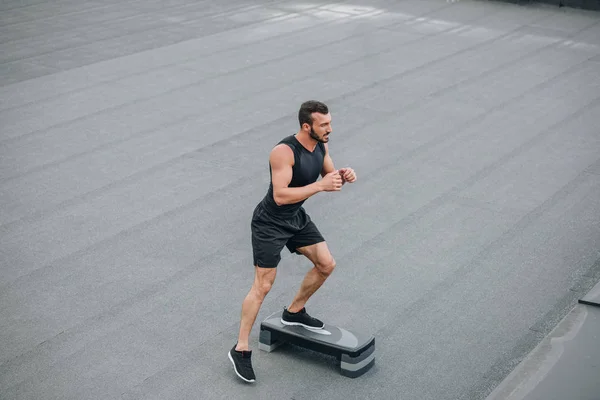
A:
<point x="279" y="220"/>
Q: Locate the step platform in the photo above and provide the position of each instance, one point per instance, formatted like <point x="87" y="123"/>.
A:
<point x="354" y="351"/>
<point x="592" y="298"/>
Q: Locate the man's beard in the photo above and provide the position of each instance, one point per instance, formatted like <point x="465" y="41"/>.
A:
<point x="316" y="137"/>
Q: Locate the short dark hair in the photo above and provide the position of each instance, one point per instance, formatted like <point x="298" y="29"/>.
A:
<point x="309" y="107"/>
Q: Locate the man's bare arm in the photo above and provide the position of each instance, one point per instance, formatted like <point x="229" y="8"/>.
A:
<point x="282" y="160"/>
<point x="327" y="163"/>
<point x="347" y="174"/>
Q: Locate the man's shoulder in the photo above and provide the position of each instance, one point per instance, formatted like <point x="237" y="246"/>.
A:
<point x="282" y="153"/>
<point x="287" y="144"/>
<point x="289" y="140"/>
<point x="324" y="147"/>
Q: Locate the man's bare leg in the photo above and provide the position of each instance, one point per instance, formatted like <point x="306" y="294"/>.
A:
<point x="324" y="264"/>
<point x="263" y="281"/>
<point x="313" y="280"/>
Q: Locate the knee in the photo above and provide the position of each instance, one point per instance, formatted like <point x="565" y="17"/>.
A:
<point x="326" y="267"/>
<point x="262" y="287"/>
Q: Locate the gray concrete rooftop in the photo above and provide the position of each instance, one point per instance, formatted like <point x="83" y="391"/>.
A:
<point x="133" y="148"/>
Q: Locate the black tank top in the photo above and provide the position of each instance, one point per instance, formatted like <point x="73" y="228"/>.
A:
<point x="306" y="170"/>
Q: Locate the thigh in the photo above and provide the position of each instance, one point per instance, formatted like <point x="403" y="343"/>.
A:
<point x="305" y="238"/>
<point x="318" y="254"/>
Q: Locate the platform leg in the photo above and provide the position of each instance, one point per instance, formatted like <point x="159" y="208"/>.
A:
<point x="266" y="342"/>
<point x="354" y="367"/>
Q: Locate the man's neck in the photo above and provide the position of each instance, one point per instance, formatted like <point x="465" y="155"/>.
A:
<point x="306" y="140"/>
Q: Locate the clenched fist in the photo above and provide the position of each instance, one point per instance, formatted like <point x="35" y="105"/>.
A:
<point x="347" y="174"/>
<point x="332" y="182"/>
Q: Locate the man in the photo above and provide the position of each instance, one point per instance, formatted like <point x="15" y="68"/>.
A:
<point x="279" y="220"/>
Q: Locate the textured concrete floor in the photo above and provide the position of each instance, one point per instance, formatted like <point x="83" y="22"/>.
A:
<point x="133" y="147"/>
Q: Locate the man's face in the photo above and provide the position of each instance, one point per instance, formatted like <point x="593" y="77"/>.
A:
<point x="321" y="127"/>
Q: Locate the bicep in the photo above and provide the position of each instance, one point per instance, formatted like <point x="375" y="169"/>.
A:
<point x="281" y="160"/>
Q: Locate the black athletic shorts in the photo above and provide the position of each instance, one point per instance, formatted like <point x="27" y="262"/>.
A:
<point x="271" y="233"/>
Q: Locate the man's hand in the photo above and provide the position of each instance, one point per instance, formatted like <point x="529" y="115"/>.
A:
<point x="332" y="182"/>
<point x="348" y="175"/>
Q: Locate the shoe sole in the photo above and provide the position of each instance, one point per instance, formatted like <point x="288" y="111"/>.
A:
<point x="310" y="328"/>
<point x="236" y="372"/>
